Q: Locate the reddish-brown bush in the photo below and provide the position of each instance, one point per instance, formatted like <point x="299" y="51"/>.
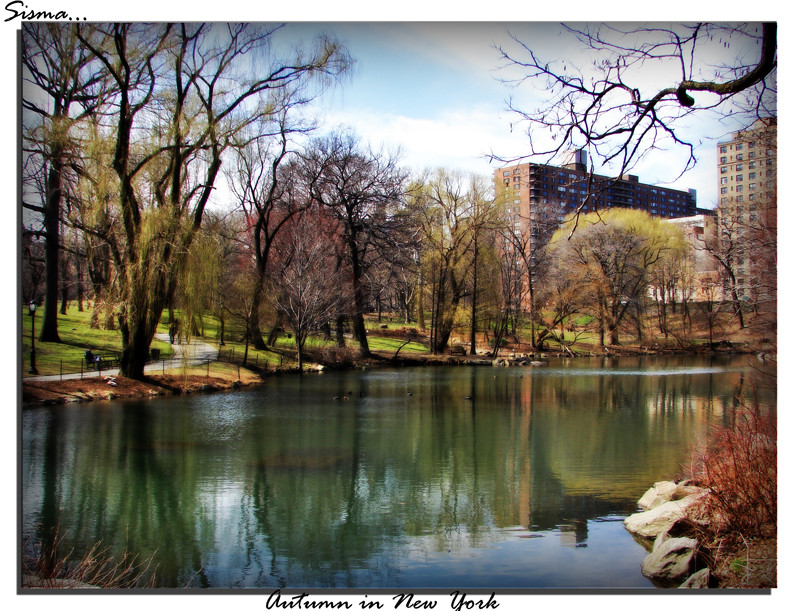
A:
<point x="739" y="467"/>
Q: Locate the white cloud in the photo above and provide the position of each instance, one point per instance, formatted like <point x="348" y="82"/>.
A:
<point x="460" y="140"/>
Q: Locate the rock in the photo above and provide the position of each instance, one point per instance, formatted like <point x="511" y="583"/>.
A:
<point x="658" y="494"/>
<point x="672" y="561"/>
<point x="663" y="492"/>
<point x="649" y="524"/>
<point x="699" y="580"/>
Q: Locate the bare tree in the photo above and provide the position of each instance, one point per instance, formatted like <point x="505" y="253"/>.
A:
<point x="304" y="289"/>
<point x="62" y="85"/>
<point x="613" y="112"/>
<point x="262" y="182"/>
<point x="362" y="189"/>
<point x="618" y="256"/>
<point x="529" y="242"/>
<point x="730" y="250"/>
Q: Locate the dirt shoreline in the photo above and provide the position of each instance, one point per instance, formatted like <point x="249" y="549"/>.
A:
<point x="56" y="392"/>
<point x="53" y="392"/>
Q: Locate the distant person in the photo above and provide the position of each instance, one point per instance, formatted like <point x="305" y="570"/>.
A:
<point x="91" y="358"/>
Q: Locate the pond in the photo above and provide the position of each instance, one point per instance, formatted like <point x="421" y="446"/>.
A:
<point x="439" y="477"/>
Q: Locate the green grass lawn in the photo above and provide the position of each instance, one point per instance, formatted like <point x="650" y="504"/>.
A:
<point x="393" y="343"/>
<point x="76" y="336"/>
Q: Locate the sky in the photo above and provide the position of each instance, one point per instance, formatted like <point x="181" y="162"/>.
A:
<point x="436" y="91"/>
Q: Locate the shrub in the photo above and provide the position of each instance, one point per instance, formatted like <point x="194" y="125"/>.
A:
<point x="739" y="468"/>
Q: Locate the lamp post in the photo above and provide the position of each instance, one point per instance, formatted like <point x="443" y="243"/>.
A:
<point x="32" y="308"/>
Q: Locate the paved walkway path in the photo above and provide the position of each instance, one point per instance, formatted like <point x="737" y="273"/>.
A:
<point x="189" y="354"/>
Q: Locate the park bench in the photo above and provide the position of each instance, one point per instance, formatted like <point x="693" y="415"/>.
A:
<point x="105" y="361"/>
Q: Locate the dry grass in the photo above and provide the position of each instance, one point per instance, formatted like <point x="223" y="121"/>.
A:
<point x="49" y="567"/>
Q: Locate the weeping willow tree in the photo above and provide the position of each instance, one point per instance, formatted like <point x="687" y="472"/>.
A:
<point x="182" y="94"/>
<point x="453" y="212"/>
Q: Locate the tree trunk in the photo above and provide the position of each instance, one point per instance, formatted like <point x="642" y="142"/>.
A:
<point x="254" y="322"/>
<point x="52" y="222"/>
<point x="602" y="318"/>
<point x="299" y="352"/>
<point x="737" y="306"/>
<point x="79" y="282"/>
<point x="136" y="338"/>
<point x="359" y="330"/>
<point x="473" y="327"/>
<point x="420" y="302"/>
<point x="340" y="331"/>
<point x="64" y="299"/>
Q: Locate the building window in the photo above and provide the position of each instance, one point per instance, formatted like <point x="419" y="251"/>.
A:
<point x="723" y="160"/>
<point x="739" y="146"/>
<point x="739" y="178"/>
<point x="752" y="186"/>
<point x="723" y="149"/>
<point x="722" y="190"/>
<point x="723" y="169"/>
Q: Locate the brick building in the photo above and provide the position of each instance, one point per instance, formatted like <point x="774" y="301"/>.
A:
<point x="525" y="187"/>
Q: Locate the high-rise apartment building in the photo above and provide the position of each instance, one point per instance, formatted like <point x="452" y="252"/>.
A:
<point x="747" y="172"/>
<point x="524" y="188"/>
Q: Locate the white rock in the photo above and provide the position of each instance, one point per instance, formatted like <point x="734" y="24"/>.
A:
<point x="700" y="579"/>
<point x="651" y="523"/>
<point x="671" y="561"/>
<point x="660" y="493"/>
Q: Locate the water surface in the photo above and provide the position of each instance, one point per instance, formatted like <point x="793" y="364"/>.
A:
<point x="405" y="478"/>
